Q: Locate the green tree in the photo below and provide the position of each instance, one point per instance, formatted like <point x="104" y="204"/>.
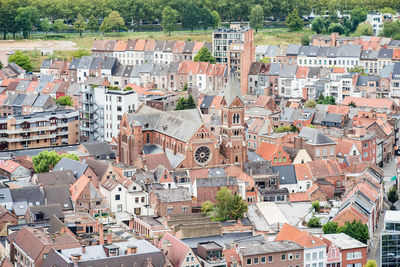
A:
<point x="315" y="206"/>
<point x="21" y="60"/>
<point x="390" y="29"/>
<point x="314" y="222"/>
<point x="388" y="10"/>
<point x="191" y="16"/>
<point x="185" y="87"/>
<point x="181" y="104"/>
<point x="229" y="206"/>
<point x="364" y="29"/>
<point x="336" y="27"/>
<point x="80" y="24"/>
<point x="80" y="53"/>
<point x="305" y="40"/>
<point x="113" y="23"/>
<point x="329" y="100"/>
<point x="65" y="101"/>
<point x="257" y="17"/>
<point x="207" y="207"/>
<point x="190" y="103"/>
<point x="371" y="263"/>
<point x="356" y="230"/>
<point x="169" y="19"/>
<point x="204" y="55"/>
<point x="310" y="103"/>
<point x="318" y="25"/>
<point x="45" y="25"/>
<point x="216" y="20"/>
<point x="46" y="160"/>
<point x="330" y="228"/>
<point x="93" y="24"/>
<point x="352" y="104"/>
<point x="283" y="129"/>
<point x="357" y="16"/>
<point x="392" y="195"/>
<point x="59" y="26"/>
<point x="294" y="22"/>
<point x="357" y="69"/>
<point x="1" y="65"/>
<point x="26" y="18"/>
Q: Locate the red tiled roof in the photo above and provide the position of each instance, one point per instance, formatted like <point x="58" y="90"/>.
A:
<point x="240" y="175"/>
<point x="262" y="101"/>
<point x="303" y="172"/>
<point x="324" y="168"/>
<point x="369" y="102"/>
<point x="300" y="237"/>
<point x="177" y="251"/>
<point x="9" y="166"/>
<point x="341" y="110"/>
<point x="140" y="44"/>
<point x="339" y="70"/>
<point x="256" y="125"/>
<point x="267" y="150"/>
<point x="120" y="46"/>
<point x="152" y="161"/>
<point x="198" y="173"/>
<point x="299" y="197"/>
<point x="396" y="53"/>
<point x="302" y="72"/>
<point x="178" y="47"/>
<point x="343" y="147"/>
<point x="77" y="187"/>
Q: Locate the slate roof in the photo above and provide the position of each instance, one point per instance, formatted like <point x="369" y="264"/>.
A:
<point x="100" y="150"/>
<point x="31" y="194"/>
<point x="7" y="195"/>
<point x="77" y="167"/>
<point x="217" y="182"/>
<point x="314" y="136"/>
<point x="293" y="50"/>
<point x="207" y="101"/>
<point x="47" y="210"/>
<point x="232" y="89"/>
<point x="58" y="194"/>
<point x="385" y="53"/>
<point x="173" y="195"/>
<point x="335" y="118"/>
<point x="287" y="174"/>
<point x="181" y="125"/>
<point x="363" y="80"/>
<point x="349" y="51"/>
<point x="98" y="167"/>
<point x="288" y="71"/>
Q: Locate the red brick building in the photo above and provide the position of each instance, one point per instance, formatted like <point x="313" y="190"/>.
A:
<point x="175" y="201"/>
<point x="207" y="188"/>
<point x="274" y="153"/>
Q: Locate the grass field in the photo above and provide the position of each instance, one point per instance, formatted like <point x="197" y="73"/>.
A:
<point x="273" y="36"/>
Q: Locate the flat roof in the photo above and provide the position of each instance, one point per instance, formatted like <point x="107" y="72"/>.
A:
<point x="392" y="216"/>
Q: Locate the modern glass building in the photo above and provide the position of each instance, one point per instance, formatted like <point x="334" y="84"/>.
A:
<point x="390" y="240"/>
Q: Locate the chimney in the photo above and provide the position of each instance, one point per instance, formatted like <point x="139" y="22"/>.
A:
<point x="131" y="224"/>
<point x="83" y="249"/>
<point x="101" y="233"/>
<point x="109" y="239"/>
<point x="131" y="249"/>
<point x="75" y="258"/>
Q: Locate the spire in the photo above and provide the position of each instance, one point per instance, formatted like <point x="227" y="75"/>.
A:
<point x="232" y="88"/>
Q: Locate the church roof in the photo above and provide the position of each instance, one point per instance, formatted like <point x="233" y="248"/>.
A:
<point x="181" y="125"/>
<point x="232" y="89"/>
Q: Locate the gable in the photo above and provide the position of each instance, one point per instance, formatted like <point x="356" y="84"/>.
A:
<point x="203" y="133"/>
<point x="237" y="102"/>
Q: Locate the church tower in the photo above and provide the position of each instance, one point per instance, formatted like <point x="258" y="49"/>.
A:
<point x="234" y="144"/>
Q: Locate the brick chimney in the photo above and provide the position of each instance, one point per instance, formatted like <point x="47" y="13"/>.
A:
<point x="131" y="249"/>
<point x="109" y="239"/>
<point x="131" y="224"/>
<point x="101" y="233"/>
<point x="83" y="249"/>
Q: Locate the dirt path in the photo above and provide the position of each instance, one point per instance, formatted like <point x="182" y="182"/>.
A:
<point x="7" y="46"/>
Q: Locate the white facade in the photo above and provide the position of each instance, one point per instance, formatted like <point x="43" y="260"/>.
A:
<point x="137" y="201"/>
<point x="115" y="199"/>
<point x="315" y="257"/>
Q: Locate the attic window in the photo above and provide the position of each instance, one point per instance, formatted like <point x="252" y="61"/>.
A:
<point x="146" y="125"/>
<point x="2" y="196"/>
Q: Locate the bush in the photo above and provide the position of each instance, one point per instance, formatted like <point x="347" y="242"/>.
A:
<point x="314" y="222"/>
<point x="330" y="228"/>
<point x="315" y="206"/>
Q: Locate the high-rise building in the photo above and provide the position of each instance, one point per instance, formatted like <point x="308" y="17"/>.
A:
<point x="235" y="47"/>
<point x="390" y="239"/>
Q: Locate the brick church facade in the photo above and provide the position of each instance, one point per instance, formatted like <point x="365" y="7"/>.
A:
<point x="183" y="137"/>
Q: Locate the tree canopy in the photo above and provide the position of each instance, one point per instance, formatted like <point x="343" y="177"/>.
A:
<point x="185" y="103"/>
<point x="21" y="60"/>
<point x="229" y="206"/>
<point x="356" y="230"/>
<point x="330" y="228"/>
<point x="393" y="196"/>
<point x="46" y="160"/>
<point x="257" y="17"/>
<point x="364" y="29"/>
<point x="113" y="23"/>
<point x="65" y="101"/>
<point x="294" y="22"/>
<point x="80" y="24"/>
<point x="169" y="19"/>
<point x="204" y="55"/>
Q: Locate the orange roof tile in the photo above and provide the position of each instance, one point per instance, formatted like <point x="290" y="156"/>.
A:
<point x="267" y="150"/>
<point x="240" y="175"/>
<point x="150" y="45"/>
<point x="197" y="46"/>
<point x="339" y="70"/>
<point x="396" y="53"/>
<point x="262" y="101"/>
<point x="216" y="103"/>
<point x="198" y="173"/>
<point x="369" y="102"/>
<point x="140" y="44"/>
<point x="343" y="147"/>
<point x="300" y="237"/>
<point x="77" y="187"/>
<point x="152" y="161"/>
<point x="9" y="166"/>
<point x="2" y="98"/>
<point x="312" y="189"/>
<point x="303" y="172"/>
<point x="299" y="197"/>
<point x="178" y="47"/>
<point x="120" y="46"/>
<point x="256" y="125"/>
<point x="302" y="72"/>
<point x="341" y="110"/>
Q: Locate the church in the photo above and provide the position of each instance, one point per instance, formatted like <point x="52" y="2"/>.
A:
<point x="182" y="137"/>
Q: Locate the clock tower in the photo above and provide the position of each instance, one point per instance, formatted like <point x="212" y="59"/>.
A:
<point x="233" y="135"/>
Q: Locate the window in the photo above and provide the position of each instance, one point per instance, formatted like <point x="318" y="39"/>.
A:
<point x="324" y="152"/>
<point x="255" y="260"/>
<point x="283" y="257"/>
<point x="187" y="259"/>
<point x="184" y="209"/>
<point x="365" y="154"/>
<point x="248" y="261"/>
<point x="314" y="255"/>
<point x="321" y="264"/>
<point x="117" y="197"/>
<point x="170" y="210"/>
<point x="297" y="255"/>
<point x="119" y="207"/>
<point x="317" y="152"/>
<point x="136" y="200"/>
<point x="290" y="256"/>
<point x="270" y="258"/>
<point x="332" y="151"/>
<point x="263" y="259"/>
<point x="321" y="254"/>
<point x="354" y="255"/>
